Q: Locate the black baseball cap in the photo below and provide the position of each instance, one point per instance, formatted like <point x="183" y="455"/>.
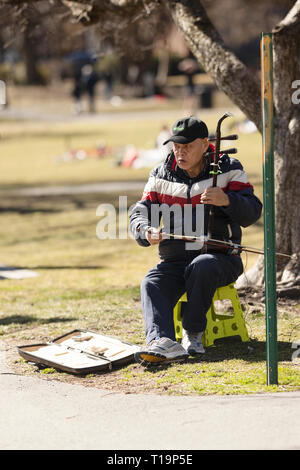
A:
<point x="188" y="129"/>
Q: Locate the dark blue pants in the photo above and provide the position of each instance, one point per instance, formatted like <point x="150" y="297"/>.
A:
<point x="199" y="277"/>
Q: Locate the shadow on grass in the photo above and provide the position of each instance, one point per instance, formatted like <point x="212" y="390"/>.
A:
<point x="24" y="319"/>
<point x="64" y="135"/>
<point x="24" y="210"/>
<point x="16" y="268"/>
<point x="232" y="349"/>
<point x="56" y="203"/>
<point x="250" y="351"/>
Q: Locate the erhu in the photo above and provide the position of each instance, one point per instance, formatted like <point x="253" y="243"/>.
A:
<point x="215" y="170"/>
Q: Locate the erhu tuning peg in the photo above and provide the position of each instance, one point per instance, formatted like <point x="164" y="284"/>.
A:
<point x="229" y="151"/>
<point x="228" y="137"/>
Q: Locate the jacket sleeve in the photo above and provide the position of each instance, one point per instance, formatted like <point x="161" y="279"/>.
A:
<point x="244" y="208"/>
<point x="140" y="214"/>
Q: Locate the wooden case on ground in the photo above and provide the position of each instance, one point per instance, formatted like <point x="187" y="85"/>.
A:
<point x="80" y="352"/>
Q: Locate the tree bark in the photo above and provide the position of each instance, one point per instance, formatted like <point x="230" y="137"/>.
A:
<point x="287" y="140"/>
<point x="286" y="50"/>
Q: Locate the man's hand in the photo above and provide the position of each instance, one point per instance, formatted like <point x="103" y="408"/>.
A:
<point x="153" y="235"/>
<point x="215" y="196"/>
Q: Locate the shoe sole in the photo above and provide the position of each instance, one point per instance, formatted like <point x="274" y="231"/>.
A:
<point x="156" y="358"/>
<point x="192" y="352"/>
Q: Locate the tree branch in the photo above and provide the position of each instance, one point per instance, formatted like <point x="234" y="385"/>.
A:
<point x="93" y="11"/>
<point x="228" y="72"/>
<point x="291" y="23"/>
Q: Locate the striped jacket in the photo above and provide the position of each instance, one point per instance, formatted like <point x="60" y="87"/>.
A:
<point x="170" y="186"/>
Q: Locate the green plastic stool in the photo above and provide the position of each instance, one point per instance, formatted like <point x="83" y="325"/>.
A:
<point x="218" y="325"/>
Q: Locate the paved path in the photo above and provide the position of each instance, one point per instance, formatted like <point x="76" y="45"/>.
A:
<point x="40" y="414"/>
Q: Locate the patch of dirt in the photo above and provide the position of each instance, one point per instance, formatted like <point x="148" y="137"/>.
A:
<point x="288" y="298"/>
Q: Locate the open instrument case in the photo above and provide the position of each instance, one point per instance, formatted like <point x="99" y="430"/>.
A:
<point x="80" y="352"/>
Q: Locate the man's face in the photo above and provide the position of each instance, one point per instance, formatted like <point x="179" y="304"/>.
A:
<point x="189" y="156"/>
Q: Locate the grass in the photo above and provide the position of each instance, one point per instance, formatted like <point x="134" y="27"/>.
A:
<point x="87" y="283"/>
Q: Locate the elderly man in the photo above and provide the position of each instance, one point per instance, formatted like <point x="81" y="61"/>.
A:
<point x="183" y="184"/>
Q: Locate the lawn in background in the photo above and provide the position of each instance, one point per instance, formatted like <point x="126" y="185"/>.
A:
<point x="89" y="283"/>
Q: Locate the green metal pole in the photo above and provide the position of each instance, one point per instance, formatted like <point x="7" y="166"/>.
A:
<point x="269" y="206"/>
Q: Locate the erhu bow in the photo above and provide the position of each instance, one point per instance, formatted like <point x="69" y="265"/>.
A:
<point x="235" y="248"/>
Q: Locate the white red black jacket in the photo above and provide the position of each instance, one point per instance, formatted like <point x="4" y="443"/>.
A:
<point x="168" y="184"/>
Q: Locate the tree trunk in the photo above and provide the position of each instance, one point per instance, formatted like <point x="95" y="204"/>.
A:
<point x="287" y="142"/>
<point x="286" y="42"/>
<point x="33" y="76"/>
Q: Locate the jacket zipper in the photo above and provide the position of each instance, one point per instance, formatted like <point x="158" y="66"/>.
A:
<point x="190" y="184"/>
